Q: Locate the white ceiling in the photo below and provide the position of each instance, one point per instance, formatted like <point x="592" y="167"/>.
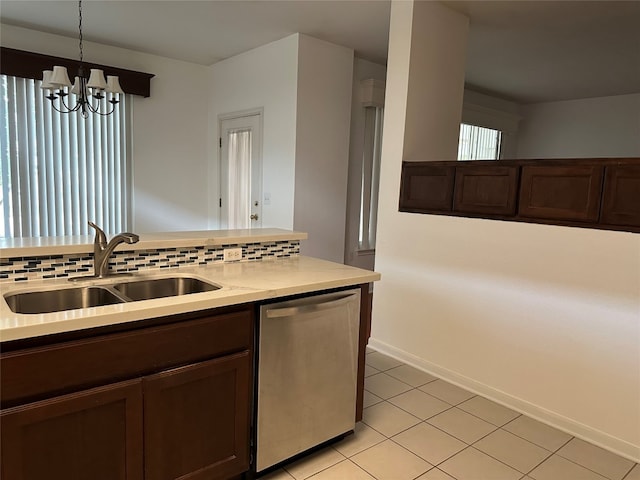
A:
<point x="522" y="50"/>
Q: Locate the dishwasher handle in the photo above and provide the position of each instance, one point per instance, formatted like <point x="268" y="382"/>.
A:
<point x="312" y="307"/>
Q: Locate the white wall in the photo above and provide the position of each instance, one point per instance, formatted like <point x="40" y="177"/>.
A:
<point x="544" y="319"/>
<point x="322" y="146"/>
<point x="263" y="77"/>
<point x="588" y="128"/>
<point x="362" y="70"/>
<point x="436" y="83"/>
<point x="304" y="86"/>
<point x="170" y="130"/>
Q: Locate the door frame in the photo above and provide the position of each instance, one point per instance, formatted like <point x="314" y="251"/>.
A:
<point x="259" y="111"/>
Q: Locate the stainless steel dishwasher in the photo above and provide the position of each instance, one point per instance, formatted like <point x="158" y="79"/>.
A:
<point x="307" y="369"/>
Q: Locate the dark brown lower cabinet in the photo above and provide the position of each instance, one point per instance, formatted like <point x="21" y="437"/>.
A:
<point x="195" y="420"/>
<point x="92" y="434"/>
<point x="168" y="399"/>
<point x="182" y="410"/>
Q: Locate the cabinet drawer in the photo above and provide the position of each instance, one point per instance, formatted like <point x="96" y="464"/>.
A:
<point x="42" y="372"/>
<point x="561" y="192"/>
<point x="486" y="189"/>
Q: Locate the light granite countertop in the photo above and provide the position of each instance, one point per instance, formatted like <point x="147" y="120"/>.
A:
<point x="240" y="282"/>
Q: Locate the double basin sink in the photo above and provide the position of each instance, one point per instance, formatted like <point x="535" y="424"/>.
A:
<point x="118" y="291"/>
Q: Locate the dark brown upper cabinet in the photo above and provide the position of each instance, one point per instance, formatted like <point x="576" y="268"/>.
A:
<point x="561" y="192"/>
<point x="599" y="193"/>
<point x="621" y="200"/>
<point x="490" y="190"/>
<point x="426" y="187"/>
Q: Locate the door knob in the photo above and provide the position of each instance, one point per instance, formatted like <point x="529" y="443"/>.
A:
<point x="254" y="216"/>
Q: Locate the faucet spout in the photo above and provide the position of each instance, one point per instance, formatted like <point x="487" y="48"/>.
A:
<point x="103" y="250"/>
<point x="100" y="240"/>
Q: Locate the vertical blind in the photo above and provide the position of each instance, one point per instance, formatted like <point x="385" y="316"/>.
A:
<point x="478" y="143"/>
<point x="60" y="170"/>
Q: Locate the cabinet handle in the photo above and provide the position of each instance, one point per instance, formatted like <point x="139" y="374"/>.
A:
<point x="314" y="307"/>
<point x="254" y="216"/>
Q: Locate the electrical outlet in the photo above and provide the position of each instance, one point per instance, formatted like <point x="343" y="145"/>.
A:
<point x="232" y="254"/>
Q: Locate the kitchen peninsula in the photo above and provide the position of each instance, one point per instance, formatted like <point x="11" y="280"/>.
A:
<point x="118" y="390"/>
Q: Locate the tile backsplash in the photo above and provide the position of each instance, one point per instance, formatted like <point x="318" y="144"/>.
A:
<point x="60" y="266"/>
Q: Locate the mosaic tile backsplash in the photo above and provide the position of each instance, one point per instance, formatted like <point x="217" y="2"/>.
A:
<point x="21" y="269"/>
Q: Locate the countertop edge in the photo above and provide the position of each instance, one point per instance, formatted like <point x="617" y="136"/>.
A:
<point x="12" y="248"/>
<point x="322" y="275"/>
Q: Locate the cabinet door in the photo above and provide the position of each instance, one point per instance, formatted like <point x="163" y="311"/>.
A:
<point x="486" y="189"/>
<point x="425" y="188"/>
<point x="621" y="202"/>
<point x="94" y="434"/>
<point x="196" y="420"/>
<point x="561" y="192"/>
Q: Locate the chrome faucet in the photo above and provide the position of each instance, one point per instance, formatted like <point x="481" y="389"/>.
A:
<point x="103" y="250"/>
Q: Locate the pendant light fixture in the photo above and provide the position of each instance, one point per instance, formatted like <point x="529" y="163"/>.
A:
<point x="89" y="93"/>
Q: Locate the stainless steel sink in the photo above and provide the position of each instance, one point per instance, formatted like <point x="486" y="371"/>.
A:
<point x="106" y="294"/>
<point x="64" y="299"/>
<point x="163" y="287"/>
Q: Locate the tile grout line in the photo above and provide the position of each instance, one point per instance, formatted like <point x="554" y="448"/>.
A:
<point x="584" y="466"/>
<point x="437" y="428"/>
<point x="550" y="453"/>
<point x="358" y="466"/>
<point x="326" y="468"/>
<point x="467" y="444"/>
<point x="632" y="467"/>
<point x="503" y="462"/>
<point x="524" y="474"/>
<point x="370" y="446"/>
<point x="526" y="439"/>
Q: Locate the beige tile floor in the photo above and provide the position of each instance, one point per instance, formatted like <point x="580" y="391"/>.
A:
<point x="416" y="426"/>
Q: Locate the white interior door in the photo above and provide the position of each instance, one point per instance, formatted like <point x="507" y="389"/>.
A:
<point x="241" y="171"/>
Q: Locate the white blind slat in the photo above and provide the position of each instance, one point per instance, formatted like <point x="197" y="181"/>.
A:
<point x="31" y="156"/>
<point x="6" y="118"/>
<point x="19" y="186"/>
<point x="42" y="172"/>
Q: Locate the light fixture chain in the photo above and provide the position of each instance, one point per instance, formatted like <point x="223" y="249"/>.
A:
<point x="80" y="27"/>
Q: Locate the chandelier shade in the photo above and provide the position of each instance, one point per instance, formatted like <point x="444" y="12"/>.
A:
<point x="89" y="91"/>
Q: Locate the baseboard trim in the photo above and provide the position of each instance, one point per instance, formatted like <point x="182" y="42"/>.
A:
<point x="577" y="429"/>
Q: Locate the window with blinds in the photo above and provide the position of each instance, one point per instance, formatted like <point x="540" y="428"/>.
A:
<point x="370" y="177"/>
<point x="57" y="171"/>
<point x="239" y="178"/>
<point x="478" y="143"/>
